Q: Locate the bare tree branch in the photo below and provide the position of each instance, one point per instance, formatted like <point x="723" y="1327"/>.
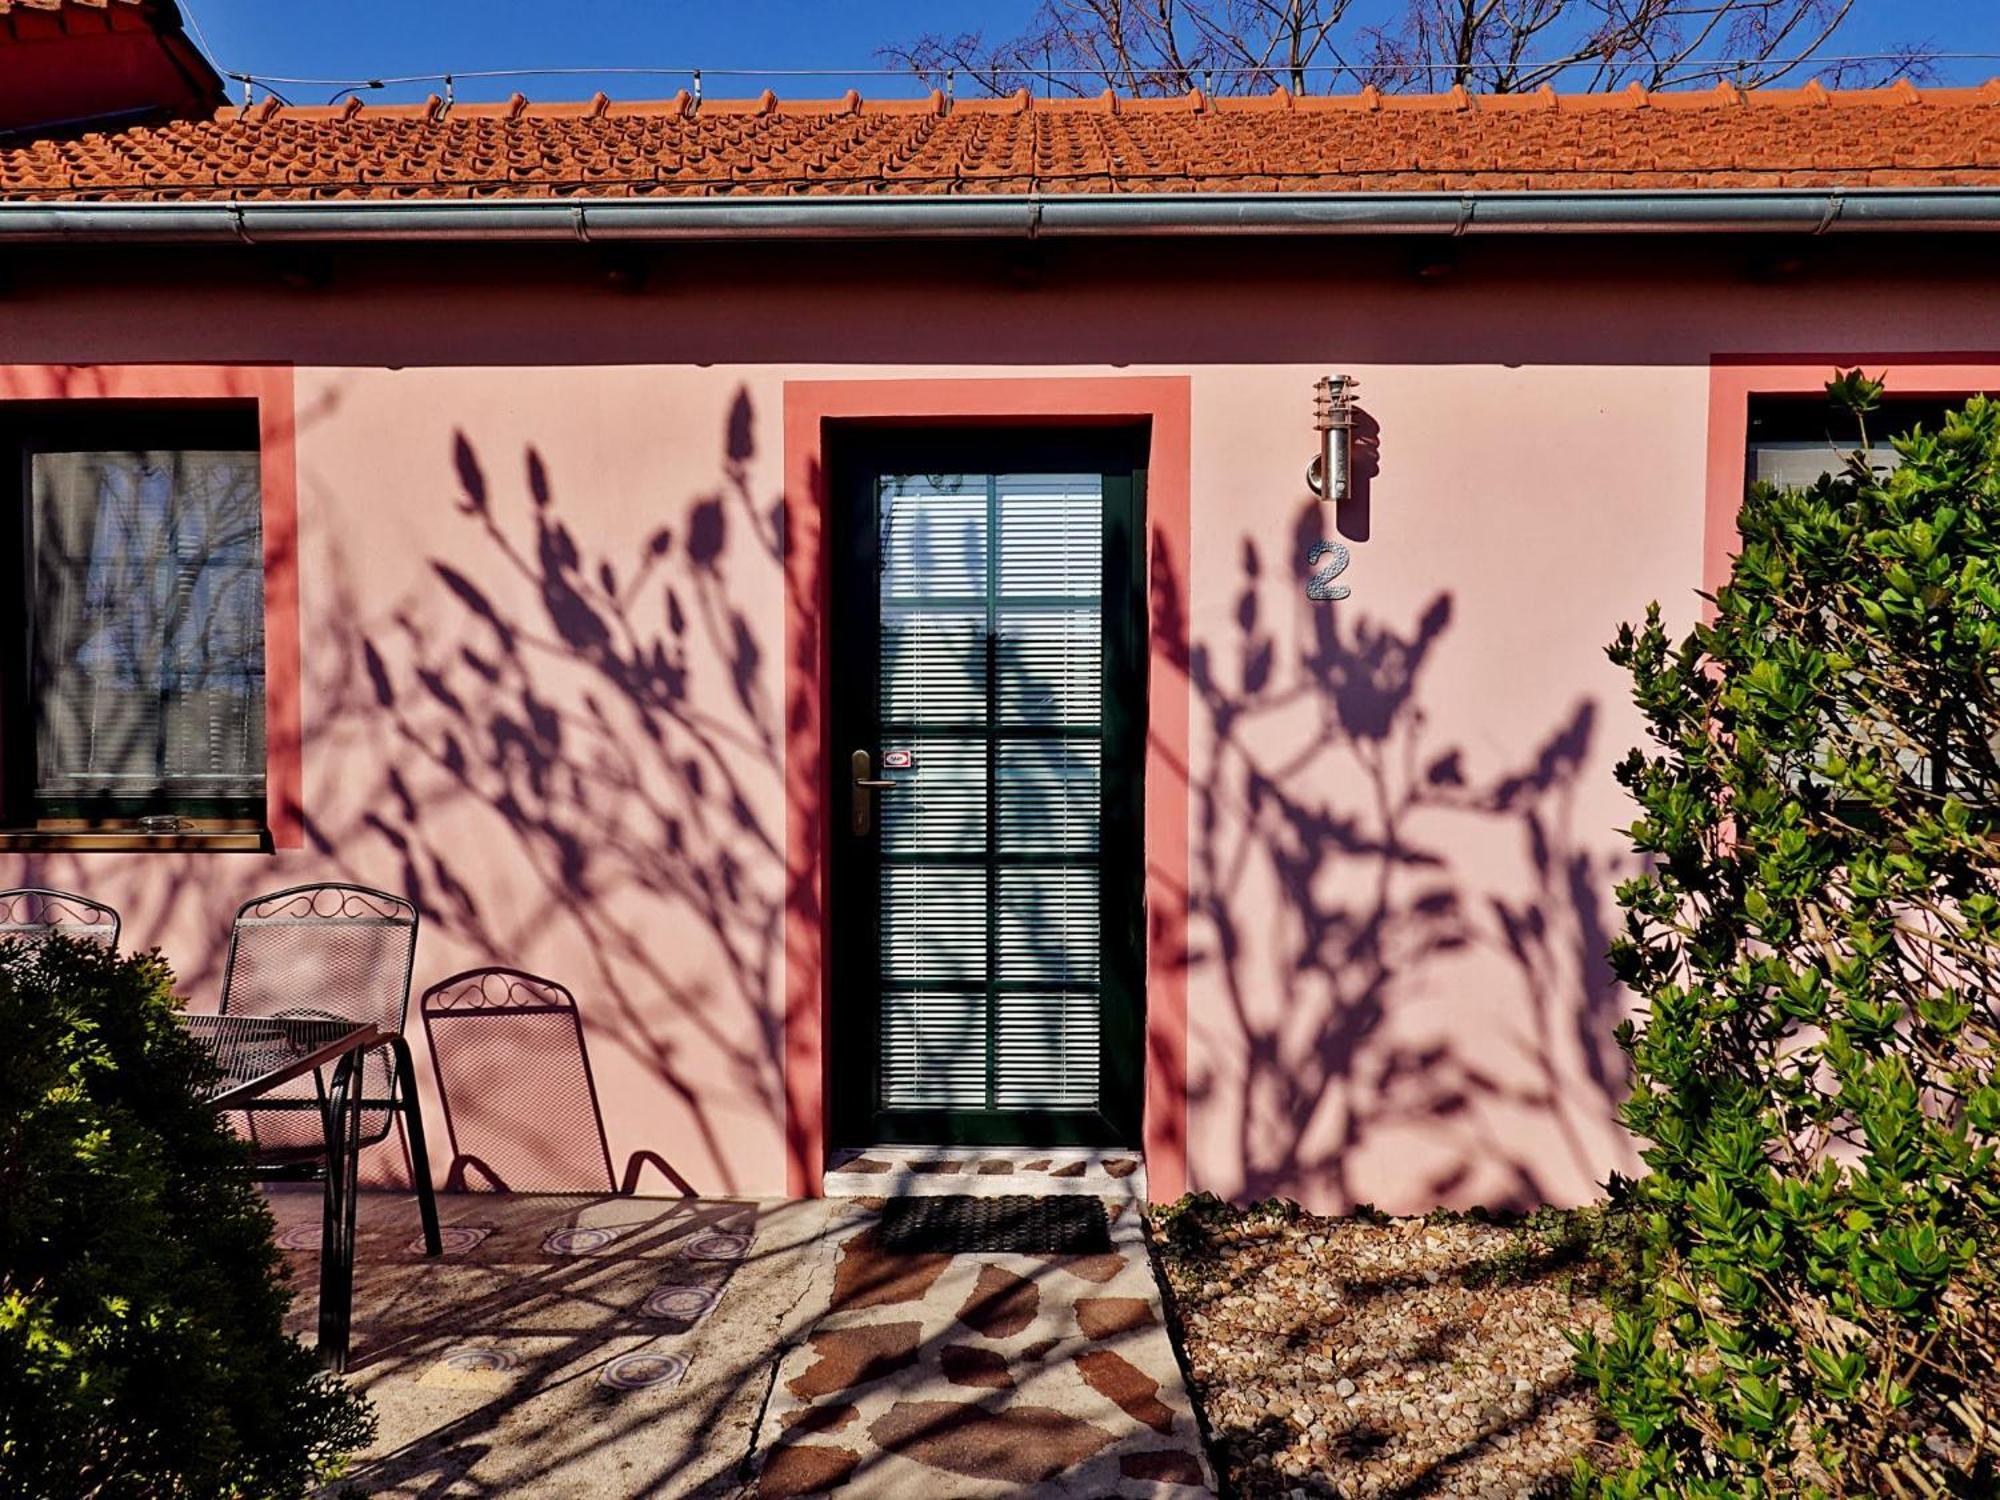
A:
<point x="1496" y="46"/>
<point x="1140" y="47"/>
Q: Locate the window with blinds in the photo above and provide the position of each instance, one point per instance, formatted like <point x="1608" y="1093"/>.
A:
<point x="991" y="705"/>
<point x="144" y="590"/>
<point x="1795" y="441"/>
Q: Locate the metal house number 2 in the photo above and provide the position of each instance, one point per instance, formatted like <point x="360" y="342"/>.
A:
<point x="1320" y="585"/>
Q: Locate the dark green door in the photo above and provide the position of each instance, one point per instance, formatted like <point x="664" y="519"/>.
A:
<point x="988" y="710"/>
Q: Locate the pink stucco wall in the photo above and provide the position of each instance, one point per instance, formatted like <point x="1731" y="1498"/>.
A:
<point x="542" y="616"/>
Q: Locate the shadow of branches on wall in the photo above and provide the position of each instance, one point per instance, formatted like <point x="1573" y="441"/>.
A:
<point x="1343" y="886"/>
<point x="595" y="736"/>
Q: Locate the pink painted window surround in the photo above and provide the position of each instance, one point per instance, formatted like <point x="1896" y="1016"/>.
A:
<point x="1734" y="380"/>
<point x="157" y="389"/>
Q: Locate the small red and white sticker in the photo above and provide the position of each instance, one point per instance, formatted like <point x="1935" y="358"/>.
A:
<point x="897" y="760"/>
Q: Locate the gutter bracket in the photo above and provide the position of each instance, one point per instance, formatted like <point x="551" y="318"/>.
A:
<point x="236" y="222"/>
<point x="1835" y="202"/>
<point x="1467" y="205"/>
<point x="577" y="223"/>
<point x="1034" y="217"/>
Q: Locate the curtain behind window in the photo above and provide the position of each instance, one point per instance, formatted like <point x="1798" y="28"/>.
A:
<point x="148" y="615"/>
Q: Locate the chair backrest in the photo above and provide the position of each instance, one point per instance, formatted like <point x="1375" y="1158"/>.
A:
<point x="520" y="1102"/>
<point x="331" y="949"/>
<point x="30" y="912"/>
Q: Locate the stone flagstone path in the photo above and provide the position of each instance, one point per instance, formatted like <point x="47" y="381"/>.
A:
<point x="932" y="1375"/>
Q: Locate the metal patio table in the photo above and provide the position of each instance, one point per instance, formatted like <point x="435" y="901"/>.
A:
<point x="257" y="1054"/>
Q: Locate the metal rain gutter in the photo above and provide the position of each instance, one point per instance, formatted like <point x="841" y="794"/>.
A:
<point x="1742" y="210"/>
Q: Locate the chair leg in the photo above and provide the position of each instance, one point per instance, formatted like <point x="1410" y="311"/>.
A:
<point x="413" y="1133"/>
<point x="336" y="1278"/>
<point x="333" y="1125"/>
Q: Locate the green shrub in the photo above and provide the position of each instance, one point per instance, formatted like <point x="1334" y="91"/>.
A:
<point x="1815" y="953"/>
<point x="141" y="1352"/>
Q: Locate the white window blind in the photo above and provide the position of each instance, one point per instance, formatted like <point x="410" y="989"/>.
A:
<point x="148" y="625"/>
<point x="991" y="698"/>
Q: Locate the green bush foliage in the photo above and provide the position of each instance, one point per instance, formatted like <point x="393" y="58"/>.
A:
<point x="1816" y="948"/>
<point x="141" y="1352"/>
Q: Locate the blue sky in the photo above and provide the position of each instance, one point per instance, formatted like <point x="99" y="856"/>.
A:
<point x="358" y="39"/>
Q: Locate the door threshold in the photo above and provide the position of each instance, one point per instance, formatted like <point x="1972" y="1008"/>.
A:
<point x="990" y="1171"/>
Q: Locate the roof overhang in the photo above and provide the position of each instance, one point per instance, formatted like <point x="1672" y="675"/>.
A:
<point x="967" y="216"/>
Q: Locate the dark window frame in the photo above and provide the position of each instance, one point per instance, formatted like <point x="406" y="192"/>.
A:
<point x="28" y="820"/>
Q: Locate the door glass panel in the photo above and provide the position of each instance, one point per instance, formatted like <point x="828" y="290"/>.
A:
<point x="933" y="1050"/>
<point x="933" y="924"/>
<point x="990" y="698"/>
<point x="1048" y="925"/>
<point x="1051" y="535"/>
<point x="934" y="537"/>
<point x="939" y="806"/>
<point x="933" y="665"/>
<point x="1049" y="665"/>
<point x="1046" y="1049"/>
<point x="1048" y="796"/>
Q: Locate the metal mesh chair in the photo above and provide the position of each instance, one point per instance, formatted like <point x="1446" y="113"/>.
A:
<point x="520" y="1103"/>
<point x="331" y="950"/>
<point x="32" y="912"/>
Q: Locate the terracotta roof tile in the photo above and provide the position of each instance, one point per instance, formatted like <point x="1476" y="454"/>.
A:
<point x="1359" y="142"/>
<point x="12" y="5"/>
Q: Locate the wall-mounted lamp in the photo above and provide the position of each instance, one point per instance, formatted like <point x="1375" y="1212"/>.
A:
<point x="1333" y="416"/>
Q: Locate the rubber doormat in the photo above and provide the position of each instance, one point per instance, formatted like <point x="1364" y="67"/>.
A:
<point x="1012" y="1224"/>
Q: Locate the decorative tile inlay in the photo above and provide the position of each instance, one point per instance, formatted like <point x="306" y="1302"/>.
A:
<point x="643" y="1370"/>
<point x="686" y="1303"/>
<point x="577" y="1241"/>
<point x="472" y="1367"/>
<point x="717" y="1244"/>
<point x="479" y="1359"/>
<point x="453" y="1239"/>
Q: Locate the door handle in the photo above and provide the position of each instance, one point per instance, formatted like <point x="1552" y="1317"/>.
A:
<point x="861" y="815"/>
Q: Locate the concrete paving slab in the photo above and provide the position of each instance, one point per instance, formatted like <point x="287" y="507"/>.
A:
<point x="722" y="1350"/>
<point x="577" y="1347"/>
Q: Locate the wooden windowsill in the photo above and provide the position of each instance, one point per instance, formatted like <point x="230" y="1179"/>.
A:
<point x="129" y="840"/>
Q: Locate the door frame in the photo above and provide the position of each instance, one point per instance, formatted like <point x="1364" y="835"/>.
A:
<point x="815" y="411"/>
<point x="855" y="458"/>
